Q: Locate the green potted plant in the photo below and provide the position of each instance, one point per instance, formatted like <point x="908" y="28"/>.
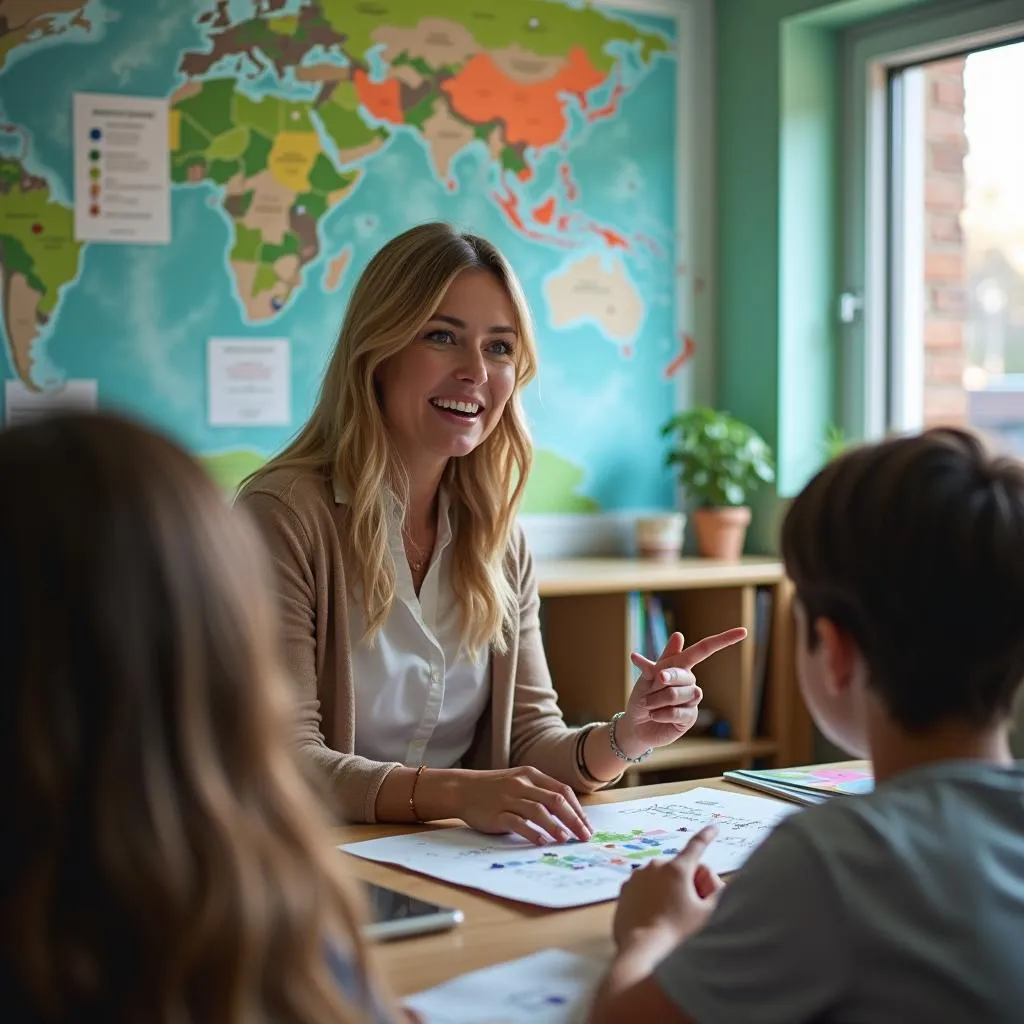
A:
<point x="836" y="441"/>
<point x="720" y="461"/>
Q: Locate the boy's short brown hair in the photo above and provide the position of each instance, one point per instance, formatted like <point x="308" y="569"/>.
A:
<point x="915" y="547"/>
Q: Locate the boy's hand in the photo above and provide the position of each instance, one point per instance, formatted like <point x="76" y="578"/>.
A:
<point x="671" y="900"/>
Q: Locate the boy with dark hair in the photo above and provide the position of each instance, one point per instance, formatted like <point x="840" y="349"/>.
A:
<point x="906" y="905"/>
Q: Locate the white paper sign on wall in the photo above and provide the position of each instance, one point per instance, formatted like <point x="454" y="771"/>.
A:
<point x="249" y="382"/>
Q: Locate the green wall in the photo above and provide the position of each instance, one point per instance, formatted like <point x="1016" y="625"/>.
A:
<point x="778" y="113"/>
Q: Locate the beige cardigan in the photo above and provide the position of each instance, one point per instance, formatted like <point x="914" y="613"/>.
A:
<point x="306" y="531"/>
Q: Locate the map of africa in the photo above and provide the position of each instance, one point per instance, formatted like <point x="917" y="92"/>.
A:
<point x="304" y="135"/>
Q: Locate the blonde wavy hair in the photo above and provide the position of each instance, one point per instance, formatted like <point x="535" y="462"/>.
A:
<point x="163" y="859"/>
<point x="346" y="437"/>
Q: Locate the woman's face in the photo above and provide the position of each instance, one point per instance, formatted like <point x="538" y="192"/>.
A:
<point x="444" y="393"/>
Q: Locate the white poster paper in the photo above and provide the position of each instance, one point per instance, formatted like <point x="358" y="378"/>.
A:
<point x="549" y="987"/>
<point x="24" y="406"/>
<point x="122" y="169"/>
<point x="249" y="382"/>
<point x="626" y="836"/>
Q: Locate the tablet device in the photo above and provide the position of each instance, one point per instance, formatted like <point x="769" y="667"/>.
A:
<point x="394" y="915"/>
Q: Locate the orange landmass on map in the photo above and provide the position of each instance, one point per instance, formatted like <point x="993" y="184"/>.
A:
<point x="609" y="109"/>
<point x="611" y="238"/>
<point x="531" y="111"/>
<point x="689" y="347"/>
<point x="382" y="99"/>
<point x="508" y="203"/>
<point x="543" y="213"/>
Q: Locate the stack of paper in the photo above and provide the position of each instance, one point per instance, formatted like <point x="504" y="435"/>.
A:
<point x="807" y="785"/>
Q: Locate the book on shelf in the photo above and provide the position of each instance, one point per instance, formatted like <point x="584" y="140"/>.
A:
<point x="808" y="786"/>
<point x="657" y="626"/>
<point x="649" y="624"/>
<point x="637" y="622"/>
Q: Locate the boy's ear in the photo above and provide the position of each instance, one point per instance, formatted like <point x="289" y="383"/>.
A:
<point x="840" y="653"/>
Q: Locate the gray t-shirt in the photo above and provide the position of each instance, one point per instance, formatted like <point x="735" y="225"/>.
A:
<point x="902" y="906"/>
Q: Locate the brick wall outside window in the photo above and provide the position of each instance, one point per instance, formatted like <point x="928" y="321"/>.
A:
<point x="945" y="270"/>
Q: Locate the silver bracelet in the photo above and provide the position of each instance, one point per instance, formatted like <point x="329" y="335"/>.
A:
<point x="615" y="747"/>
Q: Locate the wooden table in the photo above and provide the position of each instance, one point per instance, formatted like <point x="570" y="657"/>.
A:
<point x="494" y="929"/>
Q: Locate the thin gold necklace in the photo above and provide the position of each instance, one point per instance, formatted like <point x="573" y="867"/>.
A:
<point x="415" y="563"/>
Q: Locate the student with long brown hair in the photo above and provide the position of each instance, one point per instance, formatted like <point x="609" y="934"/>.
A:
<point x="407" y="590"/>
<point x="162" y="857"/>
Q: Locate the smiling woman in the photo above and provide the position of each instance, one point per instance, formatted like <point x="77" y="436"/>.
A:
<point x="408" y="596"/>
<point x="443" y="395"/>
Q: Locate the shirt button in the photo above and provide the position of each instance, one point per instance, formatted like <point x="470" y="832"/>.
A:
<point x="435" y="676"/>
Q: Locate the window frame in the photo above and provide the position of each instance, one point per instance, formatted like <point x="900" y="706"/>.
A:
<point x="878" y="349"/>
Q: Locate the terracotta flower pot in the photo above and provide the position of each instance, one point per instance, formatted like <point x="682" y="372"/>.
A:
<point x="721" y="531"/>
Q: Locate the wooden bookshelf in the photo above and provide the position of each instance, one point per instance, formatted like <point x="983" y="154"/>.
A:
<point x="587" y="633"/>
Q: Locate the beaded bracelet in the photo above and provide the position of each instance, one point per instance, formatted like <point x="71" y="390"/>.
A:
<point x="412" y="796"/>
<point x="615" y="747"/>
<point x="581" y="760"/>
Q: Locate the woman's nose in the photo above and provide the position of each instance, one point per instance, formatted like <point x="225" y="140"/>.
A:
<point x="472" y="366"/>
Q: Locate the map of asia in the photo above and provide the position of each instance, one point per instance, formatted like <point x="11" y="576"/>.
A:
<point x="304" y="135"/>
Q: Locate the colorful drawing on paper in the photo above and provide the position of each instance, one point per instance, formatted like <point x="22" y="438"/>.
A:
<point x="623" y="852"/>
<point x="626" y="836"/>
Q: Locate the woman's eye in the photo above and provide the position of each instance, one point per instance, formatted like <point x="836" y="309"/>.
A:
<point x="442" y="337"/>
<point x="502" y="348"/>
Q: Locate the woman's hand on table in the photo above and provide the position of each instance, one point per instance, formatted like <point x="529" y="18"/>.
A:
<point x="663" y="703"/>
<point x="521" y="800"/>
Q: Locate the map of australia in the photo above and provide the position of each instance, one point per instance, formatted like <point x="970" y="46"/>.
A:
<point x="297" y="126"/>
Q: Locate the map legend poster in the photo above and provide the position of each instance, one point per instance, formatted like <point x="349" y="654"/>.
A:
<point x="122" y="171"/>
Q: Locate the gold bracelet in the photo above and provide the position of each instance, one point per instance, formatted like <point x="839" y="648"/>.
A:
<point x="412" y="796"/>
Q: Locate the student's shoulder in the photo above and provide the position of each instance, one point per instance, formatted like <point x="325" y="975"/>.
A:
<point x="832" y="824"/>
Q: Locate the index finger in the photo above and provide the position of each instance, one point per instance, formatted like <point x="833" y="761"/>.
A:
<point x="694" y="849"/>
<point x="703" y="649"/>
